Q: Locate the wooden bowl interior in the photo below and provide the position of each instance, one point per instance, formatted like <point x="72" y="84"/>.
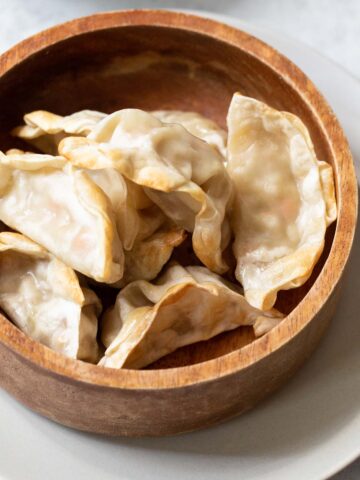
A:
<point x="154" y="68"/>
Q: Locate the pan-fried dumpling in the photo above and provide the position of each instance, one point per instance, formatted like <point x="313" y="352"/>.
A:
<point x="148" y="256"/>
<point x="197" y="125"/>
<point x="136" y="215"/>
<point x="137" y="219"/>
<point x="181" y="174"/>
<point x="62" y="209"/>
<point x="152" y="248"/>
<point x="114" y="185"/>
<point x="147" y="237"/>
<point x="44" y="129"/>
<point x="284" y="199"/>
<point x="184" y="306"/>
<point x="42" y="296"/>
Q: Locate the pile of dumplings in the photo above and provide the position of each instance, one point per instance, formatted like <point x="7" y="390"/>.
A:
<point x="113" y="199"/>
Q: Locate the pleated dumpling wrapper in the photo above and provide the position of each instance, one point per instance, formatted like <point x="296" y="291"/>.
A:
<point x="136" y="216"/>
<point x="148" y="238"/>
<point x="181" y="174"/>
<point x="184" y="306"/>
<point x="129" y="204"/>
<point x="44" y="130"/>
<point x="284" y="200"/>
<point x="63" y="210"/>
<point x="198" y="126"/>
<point x="149" y="255"/>
<point x="42" y="296"/>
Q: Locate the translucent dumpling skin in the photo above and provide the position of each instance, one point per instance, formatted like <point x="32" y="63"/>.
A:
<point x="184" y="306"/>
<point x="284" y="199"/>
<point x="63" y="210"/>
<point x="198" y="126"/>
<point x="44" y="130"/>
<point x="43" y="297"/>
<point x="183" y="175"/>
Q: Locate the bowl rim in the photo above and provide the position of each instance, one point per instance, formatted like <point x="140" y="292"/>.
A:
<point x="56" y="364"/>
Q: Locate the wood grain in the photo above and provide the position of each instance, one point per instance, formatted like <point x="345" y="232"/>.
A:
<point x="167" y="60"/>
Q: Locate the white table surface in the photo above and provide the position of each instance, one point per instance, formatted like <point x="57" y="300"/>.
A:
<point x="331" y="27"/>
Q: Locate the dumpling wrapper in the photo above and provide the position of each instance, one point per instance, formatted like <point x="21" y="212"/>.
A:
<point x="136" y="215"/>
<point x="198" y="126"/>
<point x="147" y="237"/>
<point x="284" y="199"/>
<point x="127" y="199"/>
<point x="63" y="210"/>
<point x="184" y="306"/>
<point x="44" y="129"/>
<point x="42" y="296"/>
<point x="148" y="256"/>
<point x="181" y="174"/>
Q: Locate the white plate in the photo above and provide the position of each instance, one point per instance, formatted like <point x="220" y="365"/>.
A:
<point x="308" y="430"/>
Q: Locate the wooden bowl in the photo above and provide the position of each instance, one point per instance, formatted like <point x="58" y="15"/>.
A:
<point x="168" y="60"/>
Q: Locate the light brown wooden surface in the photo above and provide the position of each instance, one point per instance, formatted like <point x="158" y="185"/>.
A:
<point x="103" y="62"/>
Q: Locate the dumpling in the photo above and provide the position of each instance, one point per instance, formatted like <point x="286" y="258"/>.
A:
<point x="283" y="203"/>
<point x="136" y="215"/>
<point x="184" y="306"/>
<point x="42" y="296"/>
<point x="198" y="126"/>
<point x="181" y="174"/>
<point x="114" y="185"/>
<point x="62" y="209"/>
<point x="44" y="129"/>
<point x="137" y="218"/>
<point x="42" y="122"/>
<point x="148" y="256"/>
<point x="147" y="236"/>
<point x="131" y="218"/>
